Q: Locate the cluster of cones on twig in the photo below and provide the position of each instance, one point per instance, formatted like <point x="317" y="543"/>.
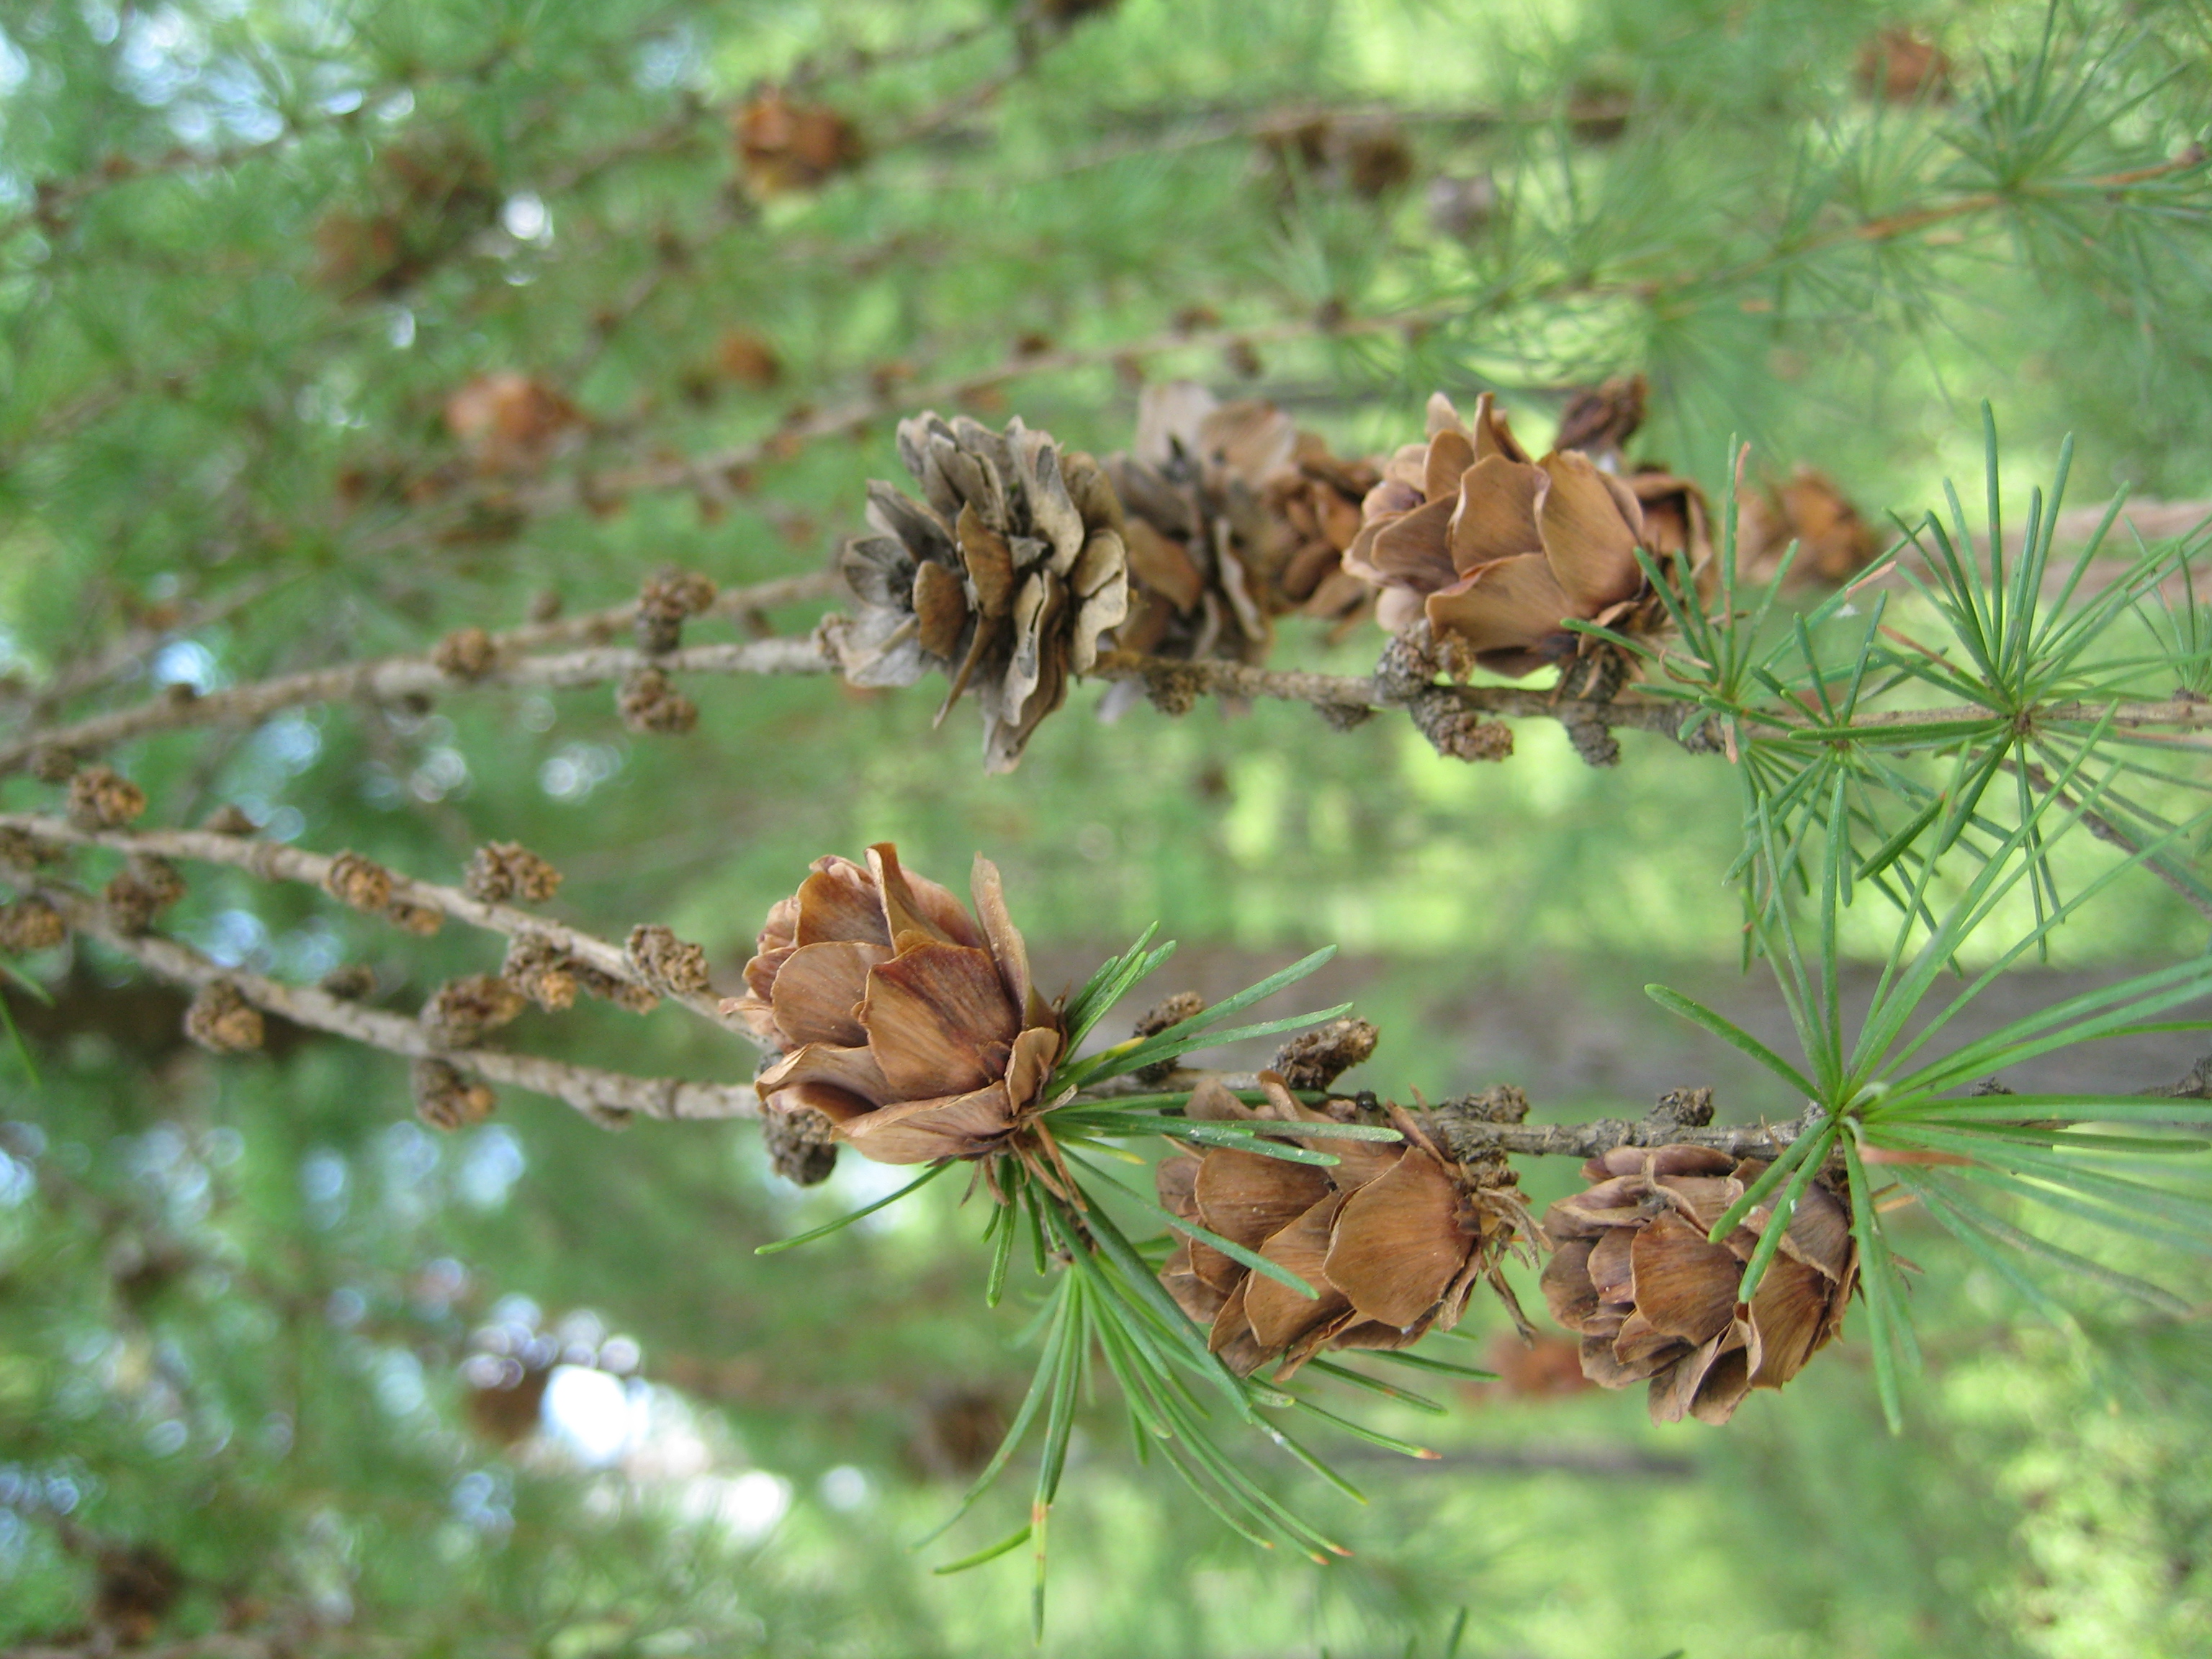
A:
<point x="1024" y="563"/>
<point x="908" y="1027"/>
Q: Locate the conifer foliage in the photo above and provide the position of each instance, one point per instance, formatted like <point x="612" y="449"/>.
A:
<point x="432" y="433"/>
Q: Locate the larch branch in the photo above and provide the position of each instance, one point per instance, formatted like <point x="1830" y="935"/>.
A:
<point x="273" y="861"/>
<point x="388" y="679"/>
<point x="603" y="1095"/>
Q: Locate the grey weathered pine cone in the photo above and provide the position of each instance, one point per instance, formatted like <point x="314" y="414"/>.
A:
<point x="1002" y="577"/>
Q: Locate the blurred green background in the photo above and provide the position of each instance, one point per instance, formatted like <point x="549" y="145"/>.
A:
<point x="255" y="259"/>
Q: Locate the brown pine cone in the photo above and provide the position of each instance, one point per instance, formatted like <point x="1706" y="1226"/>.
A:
<point x="910" y="1025"/>
<point x="1002" y="579"/>
<point x="1393" y="1236"/>
<point x="1633" y="1275"/>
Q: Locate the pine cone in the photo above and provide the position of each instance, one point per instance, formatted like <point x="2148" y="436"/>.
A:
<point x="664" y="603"/>
<point x="749" y="359"/>
<point x="1235" y="517"/>
<point x="502" y="871"/>
<point x="1900" y="66"/>
<point x="1003" y="578"/>
<point x="785" y="146"/>
<point x="1201" y="544"/>
<point x="1316" y="1058"/>
<point x="802" y="1146"/>
<point x="1498" y="551"/>
<point x="220" y="1018"/>
<point x="359" y="882"/>
<point x="462" y="1012"/>
<point x="510" y="421"/>
<point x="1631" y="1273"/>
<point x="1834" y="542"/>
<point x="429" y="196"/>
<point x="101" y="798"/>
<point x="647" y="700"/>
<point x="1317" y="501"/>
<point x="917" y="1033"/>
<point x="466" y="653"/>
<point x="350" y="981"/>
<point x="541" y="970"/>
<point x="26" y="851"/>
<point x="445" y="1099"/>
<point x="1367" y="157"/>
<point x="1601" y="420"/>
<point x="1393" y="1238"/>
<point x="421" y="920"/>
<point x="666" y="963"/>
<point x="30" y="924"/>
<point x="144" y="887"/>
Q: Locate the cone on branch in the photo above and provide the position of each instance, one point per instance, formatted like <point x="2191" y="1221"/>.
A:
<point x="541" y="970"/>
<point x="1201" y="541"/>
<point x="1834" y="543"/>
<point x="1900" y="66"/>
<point x="749" y="359"/>
<point x="913" y="1027"/>
<point x="801" y="1146"/>
<point x="672" y="966"/>
<point x="427" y="197"/>
<point x="462" y="1012"/>
<point x="29" y="924"/>
<point x="28" y="851"/>
<point x="1316" y="500"/>
<point x="422" y="920"/>
<point x="1235" y="517"/>
<point x="1393" y="1238"/>
<point x="221" y="1020"/>
<point x="1601" y="420"/>
<point x="1366" y="157"/>
<point x="500" y="871"/>
<point x="446" y="1098"/>
<point x="101" y="798"/>
<point x="1314" y="1059"/>
<point x="510" y="421"/>
<point x="664" y="603"/>
<point x="350" y="981"/>
<point x="466" y="653"/>
<point x="784" y="146"/>
<point x="1499" y="552"/>
<point x="362" y="883"/>
<point x="648" y="701"/>
<point x="1002" y="578"/>
<point x="145" y="886"/>
<point x="1170" y="1009"/>
<point x="1631" y="1273"/>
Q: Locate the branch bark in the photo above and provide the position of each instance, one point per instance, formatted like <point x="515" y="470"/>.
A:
<point x="1462" y="1135"/>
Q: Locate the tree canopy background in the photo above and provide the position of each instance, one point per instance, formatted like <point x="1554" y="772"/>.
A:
<point x="261" y="268"/>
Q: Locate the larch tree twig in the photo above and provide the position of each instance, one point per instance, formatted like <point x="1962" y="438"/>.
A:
<point x="273" y="861"/>
<point x="607" y="1097"/>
